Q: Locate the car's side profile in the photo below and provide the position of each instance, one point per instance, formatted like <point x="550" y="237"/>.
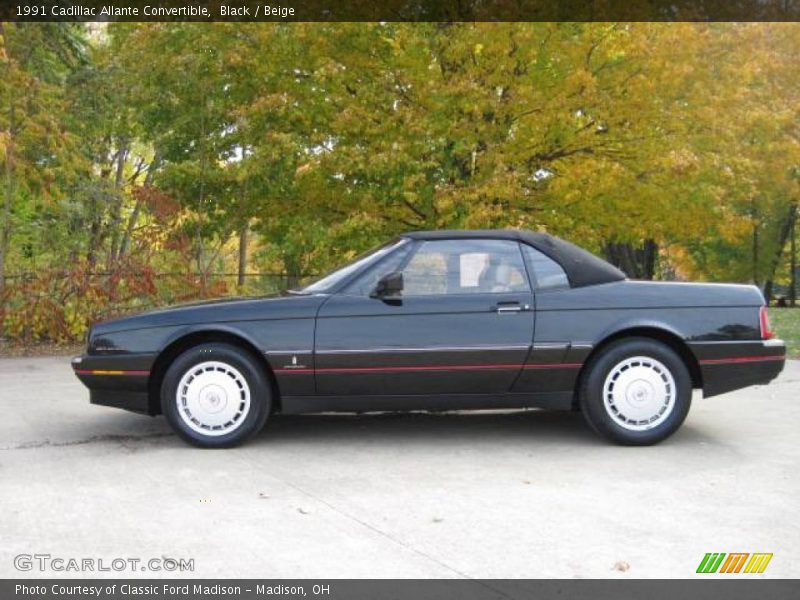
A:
<point x="447" y="320"/>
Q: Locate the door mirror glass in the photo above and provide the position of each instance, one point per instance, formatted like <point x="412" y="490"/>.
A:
<point x="389" y="286"/>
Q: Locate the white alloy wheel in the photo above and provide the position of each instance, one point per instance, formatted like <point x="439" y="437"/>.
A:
<point x="639" y="393"/>
<point x="213" y="398"/>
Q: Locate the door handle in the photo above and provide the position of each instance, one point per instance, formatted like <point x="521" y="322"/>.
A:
<point x="510" y="307"/>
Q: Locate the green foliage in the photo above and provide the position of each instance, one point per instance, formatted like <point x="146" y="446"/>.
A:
<point x="673" y="148"/>
<point x="786" y="324"/>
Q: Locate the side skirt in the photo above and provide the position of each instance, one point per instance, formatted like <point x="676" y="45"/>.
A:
<point x="293" y="405"/>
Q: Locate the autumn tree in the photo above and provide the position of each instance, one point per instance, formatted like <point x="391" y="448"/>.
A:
<point x="37" y="153"/>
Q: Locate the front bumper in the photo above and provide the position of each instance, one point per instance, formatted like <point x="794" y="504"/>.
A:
<point x="728" y="366"/>
<point x="120" y="381"/>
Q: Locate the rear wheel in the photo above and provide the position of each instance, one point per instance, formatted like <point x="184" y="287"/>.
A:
<point x="215" y="395"/>
<point x="636" y="392"/>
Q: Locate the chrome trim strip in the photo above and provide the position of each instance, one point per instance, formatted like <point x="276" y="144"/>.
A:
<point x="428" y="349"/>
<point x="581" y="346"/>
<point x="287" y="352"/>
<point x="741" y="359"/>
<point x="774" y="343"/>
<point x="551" y="346"/>
<point x="418" y="368"/>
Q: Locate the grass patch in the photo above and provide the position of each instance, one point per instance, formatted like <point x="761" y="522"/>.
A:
<point x="786" y="324"/>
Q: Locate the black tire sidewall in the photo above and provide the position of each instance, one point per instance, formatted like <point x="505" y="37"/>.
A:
<point x="591" y="391"/>
<point x="241" y="360"/>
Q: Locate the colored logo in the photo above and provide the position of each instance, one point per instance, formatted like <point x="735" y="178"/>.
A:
<point x="734" y="562"/>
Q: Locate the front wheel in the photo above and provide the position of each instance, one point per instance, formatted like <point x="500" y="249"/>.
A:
<point x="215" y="395"/>
<point x="636" y="392"/>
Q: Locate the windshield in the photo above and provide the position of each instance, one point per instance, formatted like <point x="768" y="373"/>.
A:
<point x="331" y="280"/>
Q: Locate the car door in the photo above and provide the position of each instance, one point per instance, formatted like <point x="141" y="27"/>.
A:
<point x="463" y="324"/>
<point x="555" y="360"/>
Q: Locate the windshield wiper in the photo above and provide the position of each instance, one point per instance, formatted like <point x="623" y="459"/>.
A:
<point x="298" y="292"/>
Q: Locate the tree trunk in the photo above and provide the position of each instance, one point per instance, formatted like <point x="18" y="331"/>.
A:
<point x="636" y="262"/>
<point x="755" y="245"/>
<point x="292" y="280"/>
<point x="793" y="266"/>
<point x="201" y="266"/>
<point x="94" y="232"/>
<point x="126" y="237"/>
<point x="783" y="237"/>
<point x="148" y="181"/>
<point x="649" y="257"/>
<point x="292" y="268"/>
<point x="116" y="211"/>
<point x="242" y="254"/>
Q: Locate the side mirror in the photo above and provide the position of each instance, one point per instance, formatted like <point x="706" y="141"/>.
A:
<point x="389" y="286"/>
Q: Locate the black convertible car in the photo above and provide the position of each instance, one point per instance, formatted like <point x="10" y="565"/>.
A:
<point x="441" y="321"/>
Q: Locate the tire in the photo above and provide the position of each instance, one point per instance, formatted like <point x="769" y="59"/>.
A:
<point x="636" y="392"/>
<point x="216" y="395"/>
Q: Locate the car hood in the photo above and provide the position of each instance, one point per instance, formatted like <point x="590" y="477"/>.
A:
<point x="219" y="311"/>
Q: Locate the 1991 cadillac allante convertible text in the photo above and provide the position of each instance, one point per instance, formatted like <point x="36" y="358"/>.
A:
<point x="441" y="321"/>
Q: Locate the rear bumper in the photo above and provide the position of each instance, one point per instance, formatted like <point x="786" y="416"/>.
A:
<point x="119" y="381"/>
<point x="728" y="366"/>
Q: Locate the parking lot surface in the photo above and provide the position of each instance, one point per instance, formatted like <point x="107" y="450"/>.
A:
<point x="483" y="495"/>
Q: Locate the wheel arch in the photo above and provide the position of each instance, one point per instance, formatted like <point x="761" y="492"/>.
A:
<point x="192" y="337"/>
<point x="656" y="332"/>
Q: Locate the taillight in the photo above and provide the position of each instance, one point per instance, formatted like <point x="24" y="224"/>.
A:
<point x="763" y="320"/>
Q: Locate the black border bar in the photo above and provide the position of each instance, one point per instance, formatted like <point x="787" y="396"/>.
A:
<point x="711" y="588"/>
<point x="399" y="10"/>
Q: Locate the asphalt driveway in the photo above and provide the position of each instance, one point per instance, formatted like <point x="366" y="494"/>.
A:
<point x="489" y="495"/>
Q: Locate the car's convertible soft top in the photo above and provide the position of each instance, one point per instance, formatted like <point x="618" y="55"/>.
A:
<point x="582" y="268"/>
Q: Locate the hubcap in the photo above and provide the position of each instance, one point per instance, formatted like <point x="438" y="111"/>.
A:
<point x="639" y="393"/>
<point x="213" y="398"/>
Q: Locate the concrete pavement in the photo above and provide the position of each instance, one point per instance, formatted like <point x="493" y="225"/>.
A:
<point x="488" y="495"/>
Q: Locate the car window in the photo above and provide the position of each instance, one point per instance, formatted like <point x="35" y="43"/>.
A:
<point x="465" y="267"/>
<point x="365" y="284"/>
<point x="332" y="279"/>
<point x="547" y="273"/>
